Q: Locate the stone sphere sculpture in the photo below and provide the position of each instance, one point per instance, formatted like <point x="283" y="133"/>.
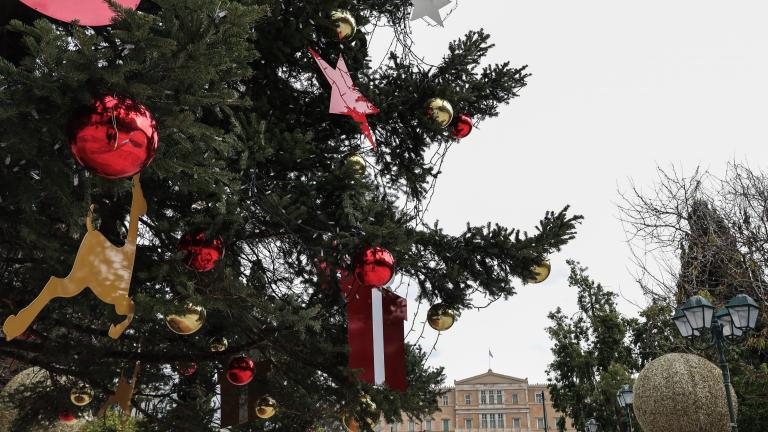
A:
<point x="681" y="393"/>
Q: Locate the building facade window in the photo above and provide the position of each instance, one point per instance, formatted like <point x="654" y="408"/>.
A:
<point x="411" y="426"/>
<point x="445" y="400"/>
<point x="499" y="397"/>
<point x="515" y="401"/>
<point x="493" y="421"/>
<point x="483" y="397"/>
<point x="500" y="418"/>
<point x="467" y="399"/>
<point x="446" y="425"/>
<point x="491" y="397"/>
<point x="484" y="421"/>
<point x="467" y="423"/>
<point x="516" y="423"/>
<point x="429" y="426"/>
<point x="539" y="422"/>
<point x="539" y="398"/>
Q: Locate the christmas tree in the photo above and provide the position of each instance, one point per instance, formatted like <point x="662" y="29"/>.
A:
<point x="259" y="204"/>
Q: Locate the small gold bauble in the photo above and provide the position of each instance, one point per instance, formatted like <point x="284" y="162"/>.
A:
<point x="266" y="407"/>
<point x="356" y="164"/>
<point x="346" y="26"/>
<point x="81" y="395"/>
<point x="542" y="273"/>
<point x="441" y="317"/>
<point x="190" y="322"/>
<point x="441" y="110"/>
<point x="218" y="344"/>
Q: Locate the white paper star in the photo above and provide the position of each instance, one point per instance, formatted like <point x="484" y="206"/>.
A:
<point x="429" y="8"/>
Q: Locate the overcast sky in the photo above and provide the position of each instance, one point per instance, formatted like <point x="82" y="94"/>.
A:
<point x="618" y="87"/>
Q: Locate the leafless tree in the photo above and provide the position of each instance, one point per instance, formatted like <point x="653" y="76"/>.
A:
<point x="699" y="232"/>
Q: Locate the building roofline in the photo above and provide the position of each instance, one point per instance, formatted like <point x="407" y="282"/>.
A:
<point x="489" y="373"/>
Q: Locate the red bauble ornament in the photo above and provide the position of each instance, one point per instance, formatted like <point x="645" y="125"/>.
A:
<point x="202" y="253"/>
<point x="374" y="267"/>
<point x="87" y="12"/>
<point x="67" y="417"/>
<point x="240" y="370"/>
<point x="114" y="137"/>
<point x="187" y="369"/>
<point x="462" y="126"/>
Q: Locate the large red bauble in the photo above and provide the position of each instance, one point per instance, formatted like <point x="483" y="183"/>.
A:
<point x="240" y="370"/>
<point x="67" y="417"/>
<point x="114" y="137"/>
<point x="462" y="126"/>
<point x="374" y="267"/>
<point x="187" y="369"/>
<point x="87" y="12"/>
<point x="202" y="253"/>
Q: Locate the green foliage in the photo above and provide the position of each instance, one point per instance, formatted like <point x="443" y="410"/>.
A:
<point x="247" y="152"/>
<point x="592" y="355"/>
<point x="113" y="421"/>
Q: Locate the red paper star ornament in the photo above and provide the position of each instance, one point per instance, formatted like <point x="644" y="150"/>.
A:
<point x="346" y="99"/>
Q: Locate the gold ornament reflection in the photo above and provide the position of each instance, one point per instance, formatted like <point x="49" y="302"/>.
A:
<point x="99" y="265"/>
<point x="441" y="317"/>
<point x="346" y="26"/>
<point x="542" y="273"/>
<point x="441" y="110"/>
<point x="356" y="164"/>
<point x="192" y="320"/>
<point x="218" y="344"/>
<point x="81" y="395"/>
<point x="266" y="407"/>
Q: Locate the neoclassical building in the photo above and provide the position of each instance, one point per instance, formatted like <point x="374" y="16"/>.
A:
<point x="487" y="402"/>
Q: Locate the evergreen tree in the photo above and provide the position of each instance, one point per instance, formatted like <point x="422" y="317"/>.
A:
<point x="248" y="152"/>
<point x="592" y="355"/>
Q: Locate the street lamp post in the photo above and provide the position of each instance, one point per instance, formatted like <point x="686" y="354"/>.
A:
<point x="544" y="407"/>
<point x="729" y="323"/>
<point x="626" y="398"/>
<point x="592" y="425"/>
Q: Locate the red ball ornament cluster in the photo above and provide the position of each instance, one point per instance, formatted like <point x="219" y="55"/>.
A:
<point x="115" y="137"/>
<point x="462" y="126"/>
<point x="374" y="267"/>
<point x="202" y="253"/>
<point x="240" y="371"/>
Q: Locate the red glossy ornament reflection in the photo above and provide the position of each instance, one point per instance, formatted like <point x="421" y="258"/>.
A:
<point x="240" y="371"/>
<point x="87" y="12"/>
<point x="202" y="253"/>
<point x="462" y="126"/>
<point x="187" y="369"/>
<point x="374" y="267"/>
<point x="115" y="138"/>
<point x="67" y="417"/>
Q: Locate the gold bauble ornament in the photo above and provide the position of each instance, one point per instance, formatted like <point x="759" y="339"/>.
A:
<point x="266" y="407"/>
<point x="81" y="395"/>
<point x="192" y="320"/>
<point x="346" y="26"/>
<point x="441" y="110"/>
<point x="542" y="273"/>
<point x="218" y="344"/>
<point x="441" y="317"/>
<point x="356" y="164"/>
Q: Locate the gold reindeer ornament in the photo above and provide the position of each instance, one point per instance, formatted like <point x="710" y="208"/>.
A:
<point x="123" y="393"/>
<point x="99" y="265"/>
